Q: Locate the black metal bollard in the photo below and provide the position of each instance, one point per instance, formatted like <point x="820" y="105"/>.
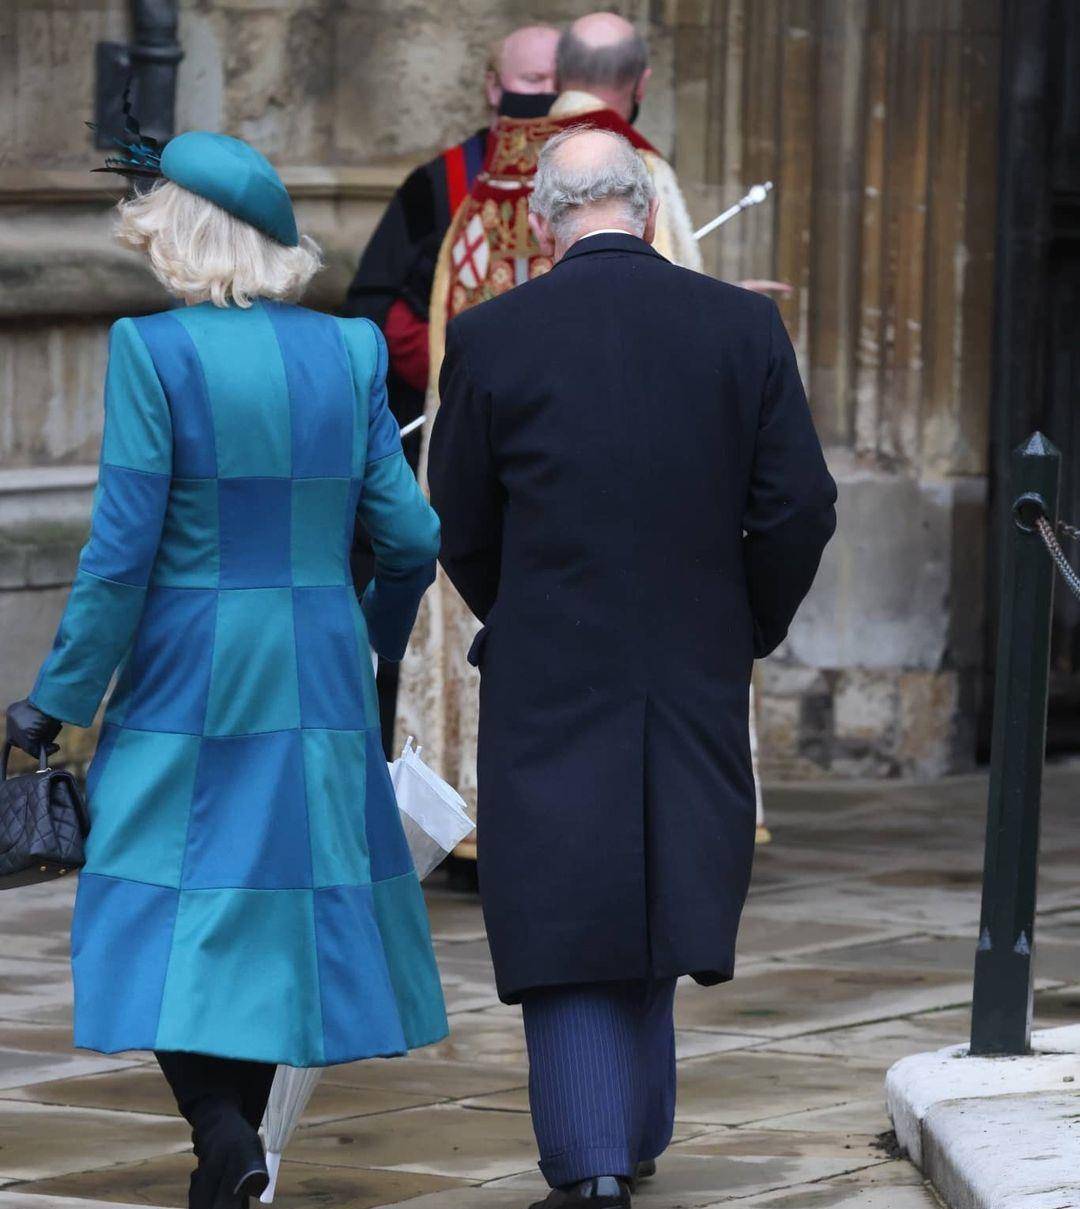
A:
<point x="1001" y="1011"/>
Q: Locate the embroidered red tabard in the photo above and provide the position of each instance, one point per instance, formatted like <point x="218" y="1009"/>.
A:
<point x="491" y="246"/>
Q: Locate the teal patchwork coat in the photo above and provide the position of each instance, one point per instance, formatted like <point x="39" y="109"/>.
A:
<point x="248" y="890"/>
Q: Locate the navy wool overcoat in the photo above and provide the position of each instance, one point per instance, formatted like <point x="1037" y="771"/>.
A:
<point x="634" y="502"/>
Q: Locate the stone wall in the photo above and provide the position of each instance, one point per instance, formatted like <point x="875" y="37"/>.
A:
<point x="877" y="123"/>
<point x="874" y="121"/>
<point x="344" y="96"/>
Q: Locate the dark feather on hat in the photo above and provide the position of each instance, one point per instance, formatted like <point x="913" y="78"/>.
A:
<point x="141" y="154"/>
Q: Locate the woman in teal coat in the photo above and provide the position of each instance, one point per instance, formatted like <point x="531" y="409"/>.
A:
<point x="248" y="897"/>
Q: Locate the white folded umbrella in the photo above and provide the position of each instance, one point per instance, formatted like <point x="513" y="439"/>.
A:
<point x="289" y="1096"/>
<point x="435" y="822"/>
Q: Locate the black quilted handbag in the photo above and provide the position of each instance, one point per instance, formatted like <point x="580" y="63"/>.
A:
<point x="43" y="822"/>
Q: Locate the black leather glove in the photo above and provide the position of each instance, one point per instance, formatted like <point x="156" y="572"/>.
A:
<point x="30" y="729"/>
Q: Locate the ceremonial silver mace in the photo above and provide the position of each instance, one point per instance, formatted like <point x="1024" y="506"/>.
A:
<point x="754" y="198"/>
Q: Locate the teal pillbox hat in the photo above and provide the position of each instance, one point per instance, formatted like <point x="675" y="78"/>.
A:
<point x="236" y="177"/>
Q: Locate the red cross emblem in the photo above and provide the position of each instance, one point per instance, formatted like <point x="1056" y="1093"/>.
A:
<point x="470" y="254"/>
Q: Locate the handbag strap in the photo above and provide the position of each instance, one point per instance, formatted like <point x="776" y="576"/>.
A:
<point x="43" y="760"/>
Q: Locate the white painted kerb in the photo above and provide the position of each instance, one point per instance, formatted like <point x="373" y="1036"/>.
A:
<point x="915" y="1085"/>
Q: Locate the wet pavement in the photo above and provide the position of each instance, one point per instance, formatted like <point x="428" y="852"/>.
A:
<point x="856" y="950"/>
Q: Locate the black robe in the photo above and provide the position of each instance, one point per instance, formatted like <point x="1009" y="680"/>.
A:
<point x="399" y="262"/>
<point x="634" y="502"/>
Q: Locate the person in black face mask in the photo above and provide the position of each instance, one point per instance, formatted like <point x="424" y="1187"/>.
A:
<point x="392" y="285"/>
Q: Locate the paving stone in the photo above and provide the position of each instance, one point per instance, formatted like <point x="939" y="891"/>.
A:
<point x="37" y="922"/>
<point x="469" y="952"/>
<point x="47" y="1038"/>
<point x="467" y="991"/>
<point x="484" y="1037"/>
<point x="869" y="1189"/>
<point x="952" y="953"/>
<point x="830" y="1194"/>
<point x="163" y="1181"/>
<point x="885" y="1041"/>
<point x="56" y="896"/>
<point x="487" y="1197"/>
<point x="37" y="1141"/>
<point x="423" y="1076"/>
<point x="35" y="941"/>
<point x="747" y="1086"/>
<point x="454" y="916"/>
<point x="856" y="950"/>
<point x="1057" y="1005"/>
<point x="760" y="935"/>
<point x="956" y="954"/>
<point x="143" y="1089"/>
<point x="56" y="1039"/>
<point x="59" y="1014"/>
<point x="19" y="1068"/>
<point x="850" y="1116"/>
<point x="748" y="1140"/>
<point x="35" y="990"/>
<point x="788" y="999"/>
<point x="444" y="1140"/>
<point x="931" y="908"/>
<point x="686" y="1179"/>
<point x="33" y="1200"/>
<point x="689" y="1043"/>
<point x="752" y="1085"/>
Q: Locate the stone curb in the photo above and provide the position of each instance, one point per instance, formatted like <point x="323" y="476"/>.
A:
<point x="994" y="1133"/>
<point x="1005" y="1152"/>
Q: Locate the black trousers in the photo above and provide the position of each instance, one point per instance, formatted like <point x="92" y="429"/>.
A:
<point x="201" y="1084"/>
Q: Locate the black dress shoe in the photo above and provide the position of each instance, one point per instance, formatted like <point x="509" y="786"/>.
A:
<point x="232" y="1165"/>
<point x="599" y="1192"/>
<point x="645" y="1170"/>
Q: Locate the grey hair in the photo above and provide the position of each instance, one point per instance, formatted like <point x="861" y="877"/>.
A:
<point x="616" y="65"/>
<point x="560" y="192"/>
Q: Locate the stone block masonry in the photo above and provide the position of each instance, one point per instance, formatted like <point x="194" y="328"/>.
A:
<point x="878" y="675"/>
<point x="879" y="131"/>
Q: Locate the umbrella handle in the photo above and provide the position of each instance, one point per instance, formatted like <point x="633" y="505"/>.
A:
<point x="273" y="1163"/>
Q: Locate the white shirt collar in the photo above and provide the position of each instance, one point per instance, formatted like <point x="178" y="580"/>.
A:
<point x="606" y="231"/>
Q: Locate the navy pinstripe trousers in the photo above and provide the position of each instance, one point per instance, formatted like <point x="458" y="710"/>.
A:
<point x="601" y="1076"/>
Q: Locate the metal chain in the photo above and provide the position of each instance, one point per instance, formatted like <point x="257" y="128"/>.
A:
<point x="1046" y="532"/>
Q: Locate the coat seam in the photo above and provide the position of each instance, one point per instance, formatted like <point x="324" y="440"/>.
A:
<point x="311" y="855"/>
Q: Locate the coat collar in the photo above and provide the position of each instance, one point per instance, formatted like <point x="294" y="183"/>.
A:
<point x="609" y="241"/>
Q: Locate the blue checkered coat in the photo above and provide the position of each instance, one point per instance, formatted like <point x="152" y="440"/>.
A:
<point x="248" y="890"/>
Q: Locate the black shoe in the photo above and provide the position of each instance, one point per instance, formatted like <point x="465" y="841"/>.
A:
<point x="232" y="1165"/>
<point x="645" y="1170"/>
<point x="598" y="1192"/>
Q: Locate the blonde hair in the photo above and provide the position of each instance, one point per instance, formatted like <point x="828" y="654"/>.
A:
<point x="200" y="252"/>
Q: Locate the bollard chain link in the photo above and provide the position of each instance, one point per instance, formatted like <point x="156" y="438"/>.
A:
<point x="1046" y="532"/>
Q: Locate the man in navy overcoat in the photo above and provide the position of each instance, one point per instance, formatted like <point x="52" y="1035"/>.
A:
<point x="634" y="502"/>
